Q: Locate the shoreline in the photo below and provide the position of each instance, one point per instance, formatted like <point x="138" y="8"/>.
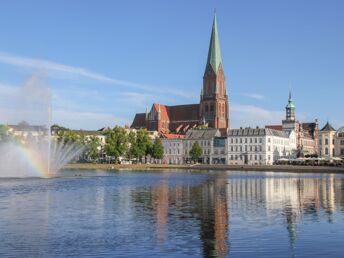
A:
<point x="265" y="168"/>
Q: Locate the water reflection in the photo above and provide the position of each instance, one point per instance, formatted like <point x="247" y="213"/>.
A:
<point x="173" y="214"/>
<point x="262" y="199"/>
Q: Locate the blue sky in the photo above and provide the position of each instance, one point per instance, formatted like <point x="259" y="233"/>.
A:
<point x="107" y="60"/>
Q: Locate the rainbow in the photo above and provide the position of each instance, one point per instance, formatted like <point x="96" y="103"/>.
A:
<point x="35" y="159"/>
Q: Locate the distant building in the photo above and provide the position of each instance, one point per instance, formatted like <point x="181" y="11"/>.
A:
<point x="307" y="134"/>
<point x="173" y="148"/>
<point x="339" y="142"/>
<point x="327" y="141"/>
<point x="259" y="146"/>
<point x="25" y="131"/>
<point x="205" y="139"/>
<point x="213" y="108"/>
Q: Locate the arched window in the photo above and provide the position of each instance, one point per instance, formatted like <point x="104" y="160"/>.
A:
<point x="326" y="151"/>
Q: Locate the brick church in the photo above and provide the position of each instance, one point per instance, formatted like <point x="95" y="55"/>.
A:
<point x="212" y="110"/>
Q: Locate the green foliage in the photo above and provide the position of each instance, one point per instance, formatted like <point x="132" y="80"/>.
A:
<point x="196" y="151"/>
<point x="93" y="148"/>
<point x="116" y="142"/>
<point x="157" y="149"/>
<point x="4" y="134"/>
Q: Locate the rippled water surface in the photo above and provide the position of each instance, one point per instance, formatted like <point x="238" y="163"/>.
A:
<point x="173" y="214"/>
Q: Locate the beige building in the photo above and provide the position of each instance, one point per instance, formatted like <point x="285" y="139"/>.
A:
<point x="327" y="142"/>
<point x="339" y="142"/>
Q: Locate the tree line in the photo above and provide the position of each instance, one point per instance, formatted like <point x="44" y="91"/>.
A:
<point x="133" y="146"/>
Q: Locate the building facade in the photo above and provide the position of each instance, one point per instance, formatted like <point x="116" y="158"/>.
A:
<point x="307" y="134"/>
<point x="339" y="143"/>
<point x="173" y="148"/>
<point x="327" y="142"/>
<point x="213" y="108"/>
<point x="259" y="146"/>
<point x="205" y="139"/>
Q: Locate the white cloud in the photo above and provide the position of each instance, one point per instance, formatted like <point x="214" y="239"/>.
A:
<point x="50" y="66"/>
<point x="86" y="120"/>
<point x="255" y="96"/>
<point x="249" y="115"/>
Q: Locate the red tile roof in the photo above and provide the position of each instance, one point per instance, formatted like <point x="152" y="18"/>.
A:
<point x="275" y="127"/>
<point x="172" y="136"/>
<point x="178" y="113"/>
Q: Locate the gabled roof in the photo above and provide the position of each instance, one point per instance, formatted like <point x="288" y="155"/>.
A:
<point x="328" y="127"/>
<point x="214" y="53"/>
<point x="202" y="134"/>
<point x="178" y="113"/>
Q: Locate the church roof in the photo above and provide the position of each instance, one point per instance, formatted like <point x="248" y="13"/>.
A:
<point x="214" y="53"/>
<point x="139" y="121"/>
<point x="328" y="127"/>
<point x="178" y="113"/>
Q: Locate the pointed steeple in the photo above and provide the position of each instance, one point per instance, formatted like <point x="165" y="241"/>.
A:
<point x="290" y="101"/>
<point x="214" y="53"/>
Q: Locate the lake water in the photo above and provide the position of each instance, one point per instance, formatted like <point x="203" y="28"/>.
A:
<point x="173" y="214"/>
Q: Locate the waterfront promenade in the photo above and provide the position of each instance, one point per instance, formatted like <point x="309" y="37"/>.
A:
<point x="268" y="168"/>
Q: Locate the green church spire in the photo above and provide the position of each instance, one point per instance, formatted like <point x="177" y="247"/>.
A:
<point x="290" y="101"/>
<point x="214" y="54"/>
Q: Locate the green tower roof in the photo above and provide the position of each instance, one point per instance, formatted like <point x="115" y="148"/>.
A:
<point x="214" y="54"/>
<point x="290" y="102"/>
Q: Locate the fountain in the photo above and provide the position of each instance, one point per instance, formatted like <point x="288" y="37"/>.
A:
<point x="31" y="151"/>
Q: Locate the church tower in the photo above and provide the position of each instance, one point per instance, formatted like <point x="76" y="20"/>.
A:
<point x="290" y="110"/>
<point x="214" y="106"/>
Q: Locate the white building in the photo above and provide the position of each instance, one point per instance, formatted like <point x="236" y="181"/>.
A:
<point x="259" y="146"/>
<point x="173" y="148"/>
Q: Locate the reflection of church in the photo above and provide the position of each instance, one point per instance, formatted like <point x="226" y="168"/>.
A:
<point x="209" y="207"/>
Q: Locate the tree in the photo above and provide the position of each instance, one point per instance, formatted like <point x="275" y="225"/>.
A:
<point x="116" y="142"/>
<point x="157" y="149"/>
<point x="142" y="145"/>
<point x="93" y="148"/>
<point x="132" y="145"/>
<point x="195" y="152"/>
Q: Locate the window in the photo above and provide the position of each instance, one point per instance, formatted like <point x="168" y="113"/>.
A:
<point x="333" y="141"/>
<point x="342" y="152"/>
<point x="260" y="140"/>
<point x="333" y="152"/>
<point x="245" y="140"/>
<point x="269" y="140"/>
<point x="341" y="142"/>
<point x="326" y="141"/>
<point x="326" y="151"/>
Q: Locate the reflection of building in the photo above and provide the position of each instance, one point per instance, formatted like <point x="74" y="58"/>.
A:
<point x="306" y="133"/>
<point x="213" y="107"/>
<point x="212" y="207"/>
<point x="327" y="141"/>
